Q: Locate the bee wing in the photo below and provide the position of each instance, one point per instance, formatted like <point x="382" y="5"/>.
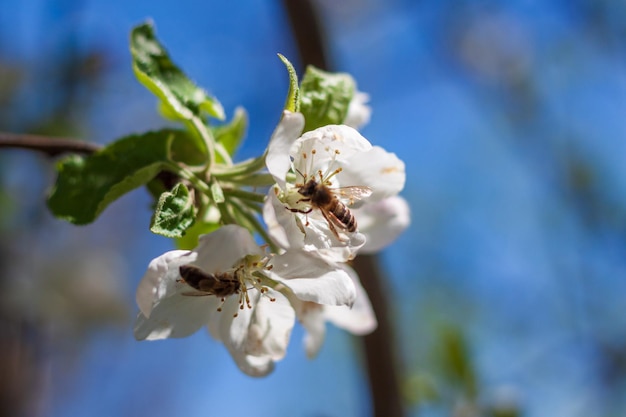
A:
<point x="353" y="193"/>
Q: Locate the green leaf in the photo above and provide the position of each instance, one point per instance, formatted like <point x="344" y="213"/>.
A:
<point x="180" y="97"/>
<point x="184" y="149"/>
<point x="231" y="135"/>
<point x="456" y="360"/>
<point x="175" y="212"/>
<point x="190" y="239"/>
<point x="293" y="95"/>
<point x="325" y="97"/>
<point x="86" y="185"/>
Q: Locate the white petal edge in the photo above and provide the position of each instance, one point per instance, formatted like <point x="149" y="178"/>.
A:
<point x="313" y="279"/>
<point x="220" y="250"/>
<point x="382" y="222"/>
<point x="358" y="320"/>
<point x="277" y="160"/>
<point x="377" y="169"/>
<point x="149" y="284"/>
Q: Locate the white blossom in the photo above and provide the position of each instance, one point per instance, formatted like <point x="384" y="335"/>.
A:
<point x="358" y="319"/>
<point x="382" y="222"/>
<point x="346" y="164"/>
<point x="359" y="112"/>
<point x="253" y="316"/>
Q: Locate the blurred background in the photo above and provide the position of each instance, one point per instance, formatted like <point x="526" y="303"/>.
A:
<point x="508" y="290"/>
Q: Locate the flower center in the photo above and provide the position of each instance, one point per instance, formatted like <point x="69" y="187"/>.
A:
<point x="239" y="280"/>
<point x="310" y="172"/>
<point x="248" y="274"/>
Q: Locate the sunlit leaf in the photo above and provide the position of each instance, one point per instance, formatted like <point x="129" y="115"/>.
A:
<point x="86" y="185"/>
<point x="180" y="97"/>
<point x="456" y="360"/>
<point x="231" y="134"/>
<point x="175" y="212"/>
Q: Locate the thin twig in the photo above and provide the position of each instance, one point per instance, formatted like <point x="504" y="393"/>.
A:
<point x="379" y="346"/>
<point x="51" y="146"/>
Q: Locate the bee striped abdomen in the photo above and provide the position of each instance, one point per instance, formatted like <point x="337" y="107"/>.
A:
<point x="344" y="215"/>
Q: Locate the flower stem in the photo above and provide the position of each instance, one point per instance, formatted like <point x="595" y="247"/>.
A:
<point x="242" y="169"/>
<point x="244" y="195"/>
<point x="191" y="177"/>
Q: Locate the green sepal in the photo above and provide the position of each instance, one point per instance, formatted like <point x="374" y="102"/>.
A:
<point x="86" y="185"/>
<point x="180" y="97"/>
<point x="231" y="135"/>
<point x="293" y="95"/>
<point x="175" y="212"/>
<point x="217" y="193"/>
<point x="325" y="97"/>
<point x="190" y="239"/>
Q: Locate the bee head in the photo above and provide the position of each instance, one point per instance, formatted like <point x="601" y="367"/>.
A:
<point x="309" y="188"/>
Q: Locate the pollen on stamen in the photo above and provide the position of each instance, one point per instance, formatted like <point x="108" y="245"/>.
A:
<point x="304" y="155"/>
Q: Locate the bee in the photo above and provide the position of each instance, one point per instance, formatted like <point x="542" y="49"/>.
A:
<point x="220" y="284"/>
<point x="326" y="199"/>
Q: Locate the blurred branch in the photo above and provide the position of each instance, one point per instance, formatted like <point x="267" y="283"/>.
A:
<point x="379" y="346"/>
<point x="307" y="32"/>
<point x="49" y="145"/>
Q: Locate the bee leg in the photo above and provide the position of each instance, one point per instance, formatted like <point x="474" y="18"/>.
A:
<point x="332" y="227"/>
<point x="303" y="212"/>
<point x="299" y="211"/>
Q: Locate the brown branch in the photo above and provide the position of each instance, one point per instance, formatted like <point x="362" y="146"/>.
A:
<point x="379" y="346"/>
<point x="51" y="146"/>
<point x="307" y="32"/>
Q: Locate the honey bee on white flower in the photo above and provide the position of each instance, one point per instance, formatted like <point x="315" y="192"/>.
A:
<point x="229" y="285"/>
<point x="319" y="176"/>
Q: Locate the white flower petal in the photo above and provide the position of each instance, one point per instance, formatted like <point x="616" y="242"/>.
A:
<point x="311" y="317"/>
<point x="259" y="335"/>
<point x="175" y="316"/>
<point x="382" y="222"/>
<point x="332" y="144"/>
<point x="220" y="250"/>
<point x="149" y="284"/>
<point x="284" y="136"/>
<point x="256" y="366"/>
<point x="281" y="223"/>
<point x="358" y="112"/>
<point x="312" y="279"/>
<point x="270" y="327"/>
<point x="377" y="169"/>
<point x="360" y="319"/>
